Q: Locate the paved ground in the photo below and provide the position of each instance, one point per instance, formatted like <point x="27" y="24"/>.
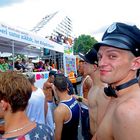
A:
<point x="79" y="127"/>
<point x="79" y="132"/>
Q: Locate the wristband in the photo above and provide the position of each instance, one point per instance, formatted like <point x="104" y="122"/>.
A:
<point x="80" y="99"/>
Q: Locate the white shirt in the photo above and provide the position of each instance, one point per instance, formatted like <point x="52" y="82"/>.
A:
<point x="36" y="106"/>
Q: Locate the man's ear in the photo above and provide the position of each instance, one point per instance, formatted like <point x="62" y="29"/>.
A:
<point x="95" y="67"/>
<point x="136" y="63"/>
<point x="4" y="105"/>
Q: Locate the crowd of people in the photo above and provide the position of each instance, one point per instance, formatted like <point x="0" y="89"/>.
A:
<point x="107" y="106"/>
<point x="61" y="39"/>
<point x="25" y="65"/>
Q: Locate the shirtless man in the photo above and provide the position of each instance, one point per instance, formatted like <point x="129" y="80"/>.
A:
<point x="97" y="101"/>
<point x="48" y="90"/>
<point x="86" y="78"/>
<point x="47" y="87"/>
<point x="85" y="87"/>
<point x="119" y="60"/>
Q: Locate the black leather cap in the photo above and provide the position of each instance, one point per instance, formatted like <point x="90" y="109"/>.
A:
<point x="90" y="56"/>
<point x="122" y="36"/>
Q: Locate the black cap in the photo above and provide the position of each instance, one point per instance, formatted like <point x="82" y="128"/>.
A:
<point x="90" y="56"/>
<point x="122" y="36"/>
<point x="52" y="72"/>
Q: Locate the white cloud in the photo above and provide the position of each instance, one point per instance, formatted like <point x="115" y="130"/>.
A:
<point x="89" y="16"/>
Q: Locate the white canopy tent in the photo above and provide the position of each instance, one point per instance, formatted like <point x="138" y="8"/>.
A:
<point x="14" y="40"/>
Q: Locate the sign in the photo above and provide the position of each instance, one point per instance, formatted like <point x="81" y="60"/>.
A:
<point x="40" y="78"/>
<point x="69" y="64"/>
<point x="29" y="38"/>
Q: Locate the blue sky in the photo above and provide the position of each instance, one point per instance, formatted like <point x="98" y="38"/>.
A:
<point x="4" y="3"/>
<point x="89" y="16"/>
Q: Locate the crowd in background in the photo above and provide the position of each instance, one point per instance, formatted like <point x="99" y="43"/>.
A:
<point x="61" y="39"/>
<point x="25" y="65"/>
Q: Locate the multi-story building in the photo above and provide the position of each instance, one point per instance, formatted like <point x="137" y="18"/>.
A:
<point x="56" y="26"/>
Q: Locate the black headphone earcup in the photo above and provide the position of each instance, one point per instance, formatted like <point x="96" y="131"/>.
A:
<point x="109" y="91"/>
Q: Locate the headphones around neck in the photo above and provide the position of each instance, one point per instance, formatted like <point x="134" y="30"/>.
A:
<point x="109" y="91"/>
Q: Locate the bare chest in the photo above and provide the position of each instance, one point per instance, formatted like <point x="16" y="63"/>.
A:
<point x="104" y="131"/>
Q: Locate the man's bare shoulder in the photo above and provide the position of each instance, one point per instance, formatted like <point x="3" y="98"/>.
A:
<point x="97" y="92"/>
<point x="47" y="84"/>
<point x="128" y="110"/>
<point x="61" y="113"/>
<point x="126" y="120"/>
<point x="60" y="109"/>
<point x="88" y="80"/>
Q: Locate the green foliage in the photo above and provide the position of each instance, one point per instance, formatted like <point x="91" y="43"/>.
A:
<point x="83" y="44"/>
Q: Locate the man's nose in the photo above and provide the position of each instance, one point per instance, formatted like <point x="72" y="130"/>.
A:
<point x="102" y="61"/>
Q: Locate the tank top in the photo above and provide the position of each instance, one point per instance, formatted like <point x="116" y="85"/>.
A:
<point x="70" y="127"/>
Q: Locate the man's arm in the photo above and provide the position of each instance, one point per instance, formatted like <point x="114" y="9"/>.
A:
<point x="58" y="119"/>
<point x="46" y="107"/>
<point x="89" y="82"/>
<point x="55" y="94"/>
<point x="126" y="121"/>
<point x="81" y="99"/>
<point x="93" y="109"/>
<point x="86" y="86"/>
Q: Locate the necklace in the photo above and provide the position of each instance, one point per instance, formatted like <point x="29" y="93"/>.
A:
<point x="18" y="129"/>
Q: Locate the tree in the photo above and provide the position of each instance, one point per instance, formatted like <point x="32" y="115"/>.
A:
<point x="83" y="44"/>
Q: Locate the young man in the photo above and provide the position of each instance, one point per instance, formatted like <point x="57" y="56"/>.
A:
<point x="97" y="101"/>
<point x="86" y="84"/>
<point x="119" y="60"/>
<point x="37" y="108"/>
<point x="66" y="115"/>
<point x="70" y="85"/>
<point x="48" y="90"/>
<point x="15" y="92"/>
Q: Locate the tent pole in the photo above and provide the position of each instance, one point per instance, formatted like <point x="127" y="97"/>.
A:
<point x="13" y="53"/>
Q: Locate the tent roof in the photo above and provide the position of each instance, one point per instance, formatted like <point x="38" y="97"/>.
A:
<point x="19" y="47"/>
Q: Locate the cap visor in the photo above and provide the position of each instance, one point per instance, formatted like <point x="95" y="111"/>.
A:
<point x="83" y="57"/>
<point x="111" y="43"/>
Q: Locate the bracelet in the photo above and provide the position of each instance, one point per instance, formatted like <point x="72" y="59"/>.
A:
<point x="80" y="99"/>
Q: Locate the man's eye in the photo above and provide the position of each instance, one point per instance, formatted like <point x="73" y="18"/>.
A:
<point x="112" y="56"/>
